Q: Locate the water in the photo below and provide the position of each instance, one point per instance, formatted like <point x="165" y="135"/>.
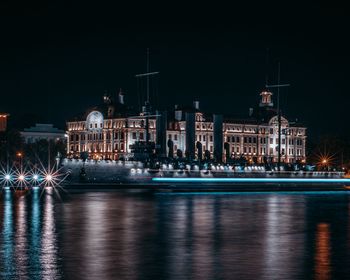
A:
<point x="116" y="235"/>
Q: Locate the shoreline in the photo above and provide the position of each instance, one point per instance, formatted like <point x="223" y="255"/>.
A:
<point x="207" y="187"/>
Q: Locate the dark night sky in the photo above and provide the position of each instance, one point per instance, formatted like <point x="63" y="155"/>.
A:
<point x="56" y="61"/>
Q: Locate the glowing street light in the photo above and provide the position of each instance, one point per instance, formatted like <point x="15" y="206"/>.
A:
<point x="48" y="177"/>
<point x="21" y="177"/>
<point x="35" y="177"/>
<point x="7" y="177"/>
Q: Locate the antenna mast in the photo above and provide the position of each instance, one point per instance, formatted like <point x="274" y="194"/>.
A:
<point x="147" y="108"/>
<point x="267" y="67"/>
<point x="147" y="71"/>
<point x="279" y="116"/>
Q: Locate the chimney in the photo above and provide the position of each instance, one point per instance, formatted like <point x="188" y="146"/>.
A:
<point x="106" y="98"/>
<point x="178" y="113"/>
<point x="196" y="104"/>
<point x="251" y="110"/>
<point x="121" y="97"/>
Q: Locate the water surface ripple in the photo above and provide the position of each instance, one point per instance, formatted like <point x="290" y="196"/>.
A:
<point x="118" y="235"/>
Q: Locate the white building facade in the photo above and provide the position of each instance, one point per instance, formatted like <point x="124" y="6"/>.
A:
<point x="255" y="138"/>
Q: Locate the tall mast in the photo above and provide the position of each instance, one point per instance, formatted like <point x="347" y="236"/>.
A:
<point x="267" y="67"/>
<point x="147" y="110"/>
<point x="147" y="77"/>
<point x="279" y="116"/>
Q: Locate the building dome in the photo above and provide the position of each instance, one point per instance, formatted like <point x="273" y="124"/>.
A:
<point x="94" y="120"/>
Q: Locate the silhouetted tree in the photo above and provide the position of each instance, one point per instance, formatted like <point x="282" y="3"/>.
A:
<point x="10" y="144"/>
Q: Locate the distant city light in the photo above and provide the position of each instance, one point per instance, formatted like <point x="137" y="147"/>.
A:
<point x="30" y="177"/>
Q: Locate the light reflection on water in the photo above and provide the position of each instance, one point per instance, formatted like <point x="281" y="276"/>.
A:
<point x="114" y="235"/>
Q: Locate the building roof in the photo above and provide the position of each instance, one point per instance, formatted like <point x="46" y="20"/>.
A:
<point x="43" y="128"/>
<point x="111" y="109"/>
<point x="118" y="111"/>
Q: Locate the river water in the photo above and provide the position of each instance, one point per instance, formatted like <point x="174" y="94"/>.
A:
<point x="121" y="235"/>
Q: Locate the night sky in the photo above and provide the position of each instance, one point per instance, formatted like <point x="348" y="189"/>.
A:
<point x="57" y="60"/>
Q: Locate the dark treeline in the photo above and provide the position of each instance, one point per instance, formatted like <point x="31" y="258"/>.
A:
<point x="330" y="150"/>
<point x="14" y="150"/>
<point x="334" y="149"/>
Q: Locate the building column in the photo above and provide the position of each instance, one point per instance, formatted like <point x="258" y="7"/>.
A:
<point x="295" y="148"/>
<point x="287" y="147"/>
<point x="104" y="134"/>
<point x="68" y="142"/>
<point x="79" y="142"/>
<point x="258" y="155"/>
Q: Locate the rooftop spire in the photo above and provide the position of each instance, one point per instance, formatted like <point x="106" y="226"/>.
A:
<point x="266" y="98"/>
<point x="121" y="96"/>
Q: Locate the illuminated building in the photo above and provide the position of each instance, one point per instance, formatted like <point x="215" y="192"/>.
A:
<point x="110" y="130"/>
<point x="3" y="121"/>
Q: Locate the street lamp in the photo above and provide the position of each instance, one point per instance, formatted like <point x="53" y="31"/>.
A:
<point x="325" y="163"/>
<point x="20" y="156"/>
